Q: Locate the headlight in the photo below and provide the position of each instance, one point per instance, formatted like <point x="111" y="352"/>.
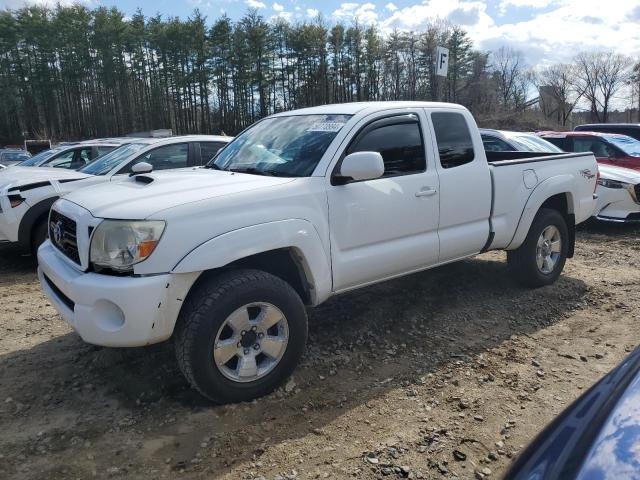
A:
<point x="605" y="182"/>
<point x="120" y="244"/>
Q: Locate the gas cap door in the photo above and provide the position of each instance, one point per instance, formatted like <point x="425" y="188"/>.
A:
<point x="530" y="178"/>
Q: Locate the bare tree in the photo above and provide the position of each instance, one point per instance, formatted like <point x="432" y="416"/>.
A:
<point x="509" y="74"/>
<point x="600" y="76"/>
<point x="558" y="89"/>
<point x="634" y="81"/>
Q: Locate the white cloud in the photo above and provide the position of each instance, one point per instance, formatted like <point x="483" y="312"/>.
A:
<point x="471" y="14"/>
<point x="560" y="33"/>
<point x="391" y="7"/>
<point x="525" y="3"/>
<point x="16" y="4"/>
<point x="255" y="4"/>
<point x="312" y="12"/>
<point x="364" y="13"/>
<point x="284" y="15"/>
<point x="277" y="7"/>
<point x="562" y="29"/>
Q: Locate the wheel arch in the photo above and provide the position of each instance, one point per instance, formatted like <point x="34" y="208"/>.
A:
<point x="554" y="193"/>
<point x="288" y="249"/>
<point x="30" y="220"/>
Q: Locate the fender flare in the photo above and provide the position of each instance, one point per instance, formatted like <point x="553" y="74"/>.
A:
<point x="30" y="218"/>
<point x="560" y="184"/>
<point x="296" y="234"/>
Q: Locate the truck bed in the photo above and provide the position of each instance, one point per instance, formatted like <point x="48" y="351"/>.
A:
<point x="518" y="177"/>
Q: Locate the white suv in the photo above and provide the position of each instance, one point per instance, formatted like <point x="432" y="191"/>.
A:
<point x="26" y="194"/>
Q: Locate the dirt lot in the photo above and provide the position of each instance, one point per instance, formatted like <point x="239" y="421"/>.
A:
<point x="443" y="374"/>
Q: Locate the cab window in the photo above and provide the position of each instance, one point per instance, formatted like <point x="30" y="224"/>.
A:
<point x="398" y="140"/>
<point x="163" y="158"/>
<point x="71" y="160"/>
<point x="453" y="138"/>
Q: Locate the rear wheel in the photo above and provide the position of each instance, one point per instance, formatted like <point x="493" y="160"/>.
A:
<point x="540" y="259"/>
<point x="240" y="335"/>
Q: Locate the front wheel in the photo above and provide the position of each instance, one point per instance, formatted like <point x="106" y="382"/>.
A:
<point x="240" y="335"/>
<point x="541" y="257"/>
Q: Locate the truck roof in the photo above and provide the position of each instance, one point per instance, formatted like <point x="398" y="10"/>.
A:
<point x="357" y="107"/>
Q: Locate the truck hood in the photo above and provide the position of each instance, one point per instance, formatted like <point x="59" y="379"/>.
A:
<point x="142" y="196"/>
<point x="21" y="176"/>
<point x="621" y="174"/>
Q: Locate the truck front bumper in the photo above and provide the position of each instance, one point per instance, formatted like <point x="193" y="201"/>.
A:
<point x="113" y="311"/>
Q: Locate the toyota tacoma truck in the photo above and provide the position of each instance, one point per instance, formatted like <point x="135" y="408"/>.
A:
<point x="301" y="206"/>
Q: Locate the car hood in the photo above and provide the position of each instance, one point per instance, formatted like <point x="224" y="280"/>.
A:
<point x="22" y="176"/>
<point x="619" y="173"/>
<point x="141" y="196"/>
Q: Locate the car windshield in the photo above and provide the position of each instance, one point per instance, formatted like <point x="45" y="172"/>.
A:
<point x="40" y="157"/>
<point x="111" y="160"/>
<point x="532" y="143"/>
<point x="288" y="146"/>
<point x="628" y="145"/>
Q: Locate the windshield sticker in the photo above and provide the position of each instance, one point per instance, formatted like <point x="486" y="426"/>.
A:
<point x="325" y="127"/>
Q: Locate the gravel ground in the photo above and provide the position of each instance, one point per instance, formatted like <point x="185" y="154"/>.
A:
<point x="443" y="374"/>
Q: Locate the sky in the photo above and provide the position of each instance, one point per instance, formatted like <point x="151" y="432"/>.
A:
<point x="545" y="31"/>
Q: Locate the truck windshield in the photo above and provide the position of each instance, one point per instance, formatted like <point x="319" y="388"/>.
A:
<point x="628" y="145"/>
<point x="288" y="146"/>
<point x="111" y="160"/>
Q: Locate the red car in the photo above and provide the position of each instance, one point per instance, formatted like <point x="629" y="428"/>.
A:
<point x="608" y="148"/>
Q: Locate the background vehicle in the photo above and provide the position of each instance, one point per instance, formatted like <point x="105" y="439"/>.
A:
<point x="596" y="437"/>
<point x="507" y="141"/>
<point x="629" y="129"/>
<point x="75" y="155"/>
<point x="618" y="194"/>
<point x="26" y="194"/>
<point x="608" y="148"/>
<point x="301" y="206"/>
<point x="12" y="156"/>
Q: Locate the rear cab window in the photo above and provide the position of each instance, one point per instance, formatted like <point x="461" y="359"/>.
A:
<point x="453" y="139"/>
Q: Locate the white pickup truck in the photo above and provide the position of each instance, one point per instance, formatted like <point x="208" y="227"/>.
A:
<point x="301" y="206"/>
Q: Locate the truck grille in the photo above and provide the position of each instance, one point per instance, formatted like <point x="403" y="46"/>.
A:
<point x="636" y="189"/>
<point x="63" y="235"/>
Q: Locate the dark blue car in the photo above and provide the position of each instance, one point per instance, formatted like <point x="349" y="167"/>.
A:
<point x="596" y="438"/>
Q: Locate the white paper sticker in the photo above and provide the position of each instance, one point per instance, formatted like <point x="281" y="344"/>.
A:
<point x="325" y="127"/>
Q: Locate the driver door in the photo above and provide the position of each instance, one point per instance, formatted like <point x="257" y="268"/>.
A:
<point x="387" y="226"/>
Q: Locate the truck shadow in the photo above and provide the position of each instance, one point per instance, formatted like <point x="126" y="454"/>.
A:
<point x="14" y="261"/>
<point x="361" y="345"/>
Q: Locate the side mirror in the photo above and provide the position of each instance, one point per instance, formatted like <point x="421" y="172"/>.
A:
<point x="142" y="167"/>
<point x="362" y="166"/>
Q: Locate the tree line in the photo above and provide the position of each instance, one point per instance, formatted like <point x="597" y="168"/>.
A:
<point x="72" y="72"/>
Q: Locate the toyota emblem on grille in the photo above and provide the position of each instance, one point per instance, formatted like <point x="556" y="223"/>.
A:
<point x="58" y="231"/>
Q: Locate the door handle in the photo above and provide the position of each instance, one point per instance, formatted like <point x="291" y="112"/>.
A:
<point x="426" y="192"/>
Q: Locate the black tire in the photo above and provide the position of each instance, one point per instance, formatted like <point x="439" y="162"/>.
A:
<point x="204" y="312"/>
<point x="522" y="261"/>
<point x="39" y="234"/>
